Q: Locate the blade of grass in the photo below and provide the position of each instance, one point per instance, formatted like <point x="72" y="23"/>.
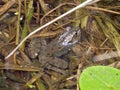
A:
<point x="44" y="7"/>
<point x="110" y="31"/>
<point x="27" y="22"/>
<point x="31" y="81"/>
<point x="18" y="23"/>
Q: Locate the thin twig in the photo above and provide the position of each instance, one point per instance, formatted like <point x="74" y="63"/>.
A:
<point x="104" y="10"/>
<point x="5" y="7"/>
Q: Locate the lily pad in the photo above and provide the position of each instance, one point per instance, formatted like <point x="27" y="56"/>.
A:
<point x="100" y="78"/>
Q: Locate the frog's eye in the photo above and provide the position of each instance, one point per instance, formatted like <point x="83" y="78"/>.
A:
<point x="76" y="33"/>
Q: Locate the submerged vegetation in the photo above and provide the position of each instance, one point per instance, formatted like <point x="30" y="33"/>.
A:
<point x="99" y="25"/>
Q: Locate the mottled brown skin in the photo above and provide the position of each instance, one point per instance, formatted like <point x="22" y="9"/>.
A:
<point x="49" y="53"/>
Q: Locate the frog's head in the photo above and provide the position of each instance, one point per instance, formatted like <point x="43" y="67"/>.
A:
<point x="70" y="36"/>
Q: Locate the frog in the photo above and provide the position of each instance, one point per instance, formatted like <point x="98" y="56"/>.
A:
<point x="49" y="53"/>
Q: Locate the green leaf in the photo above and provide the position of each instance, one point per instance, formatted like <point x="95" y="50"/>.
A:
<point x="100" y="78"/>
<point x="31" y="86"/>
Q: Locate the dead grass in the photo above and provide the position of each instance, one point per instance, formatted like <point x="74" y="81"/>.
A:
<point x="100" y="30"/>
